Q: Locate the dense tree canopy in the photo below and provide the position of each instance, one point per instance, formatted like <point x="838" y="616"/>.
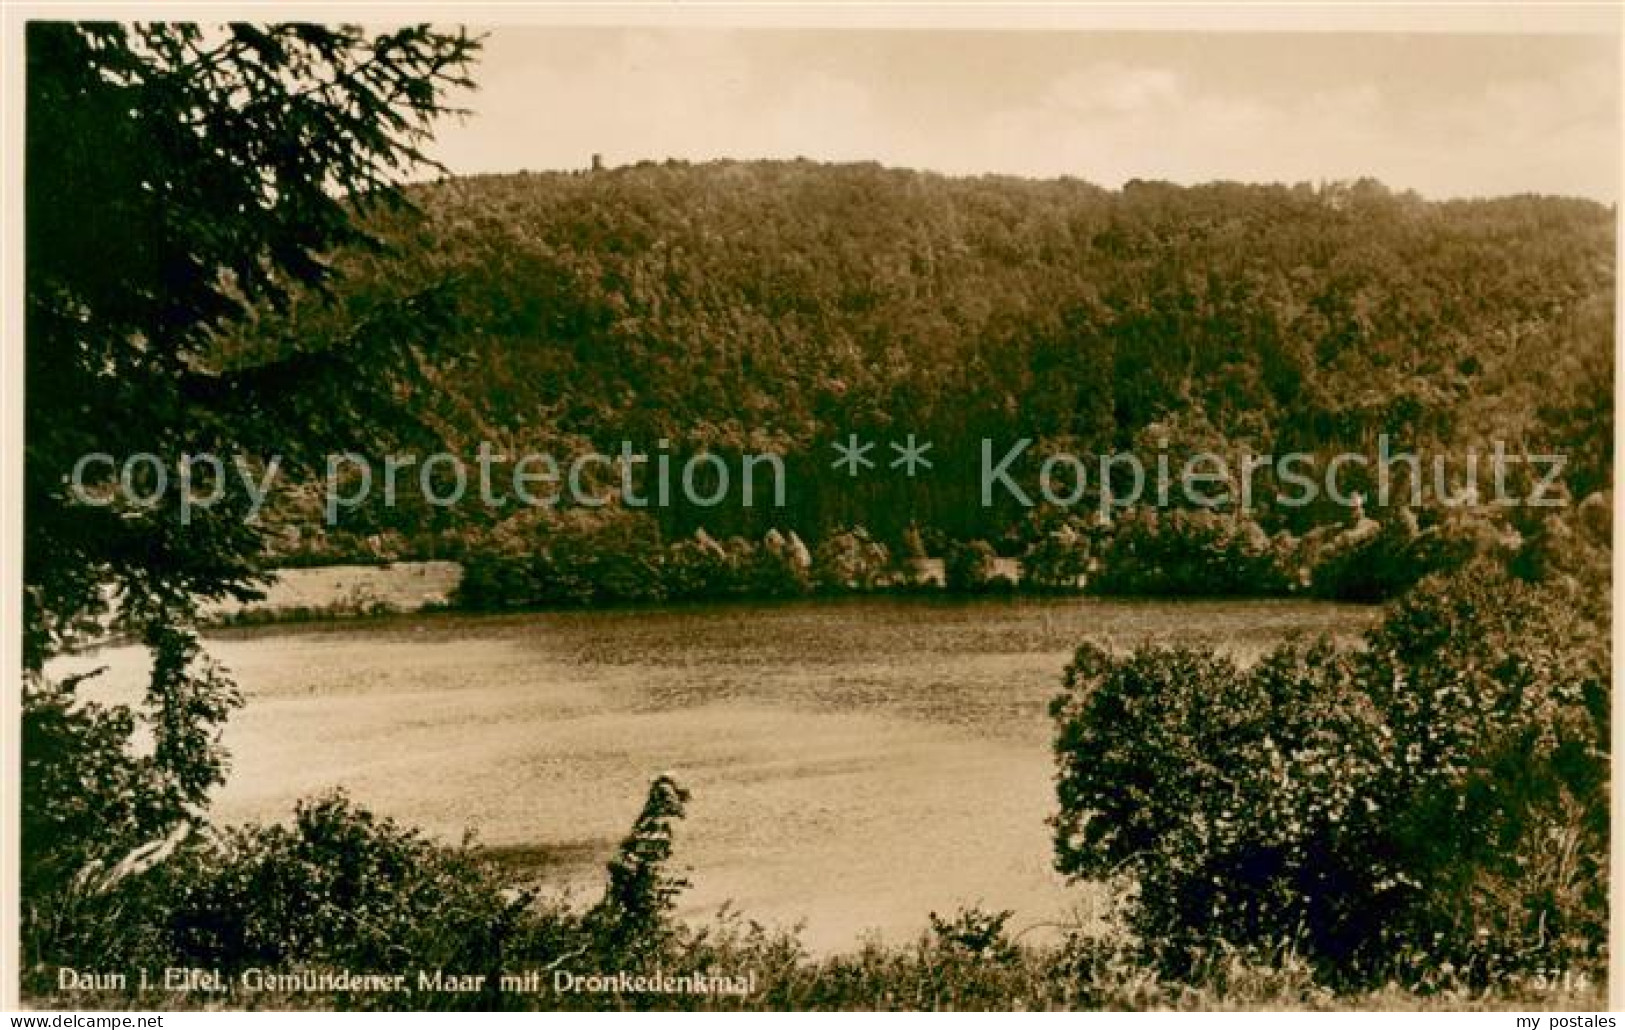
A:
<point x="748" y="306"/>
<point x="178" y="179"/>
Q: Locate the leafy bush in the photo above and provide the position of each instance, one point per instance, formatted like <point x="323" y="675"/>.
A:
<point x="1497" y="694"/>
<point x="342" y="888"/>
<point x="1201" y="778"/>
<point x="1573" y="550"/>
<point x="971" y="568"/>
<point x="339" y="888"/>
<point x="1440" y="795"/>
<point x="699" y="569"/>
<point x="634" y="917"/>
<point x="82" y="786"/>
<point x="1144" y="552"/>
<point x="851" y="560"/>
<point x="575" y="563"/>
<point x="97" y="811"/>
<point x="777" y="573"/>
<point x="1190" y="553"/>
<point x="980" y="935"/>
<point x="86" y="799"/>
<point x="1375" y="561"/>
<point x="1058" y="560"/>
<point x="595" y="567"/>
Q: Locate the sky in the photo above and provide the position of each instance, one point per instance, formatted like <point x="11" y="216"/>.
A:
<point x="1448" y="115"/>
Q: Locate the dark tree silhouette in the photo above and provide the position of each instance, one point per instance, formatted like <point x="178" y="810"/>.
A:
<point x="177" y="178"/>
<point x="180" y="181"/>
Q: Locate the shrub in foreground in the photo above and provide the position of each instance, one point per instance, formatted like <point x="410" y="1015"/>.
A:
<point x="1437" y="797"/>
<point x="98" y="811"/>
<point x="340" y="888"/>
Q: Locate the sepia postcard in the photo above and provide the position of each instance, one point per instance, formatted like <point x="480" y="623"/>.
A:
<point x="784" y="507"/>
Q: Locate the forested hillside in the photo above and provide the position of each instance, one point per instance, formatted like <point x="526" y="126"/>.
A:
<point x="779" y="306"/>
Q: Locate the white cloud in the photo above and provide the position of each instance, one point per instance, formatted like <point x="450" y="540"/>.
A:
<point x="1484" y="124"/>
<point x="826" y="116"/>
<point x="1117" y="90"/>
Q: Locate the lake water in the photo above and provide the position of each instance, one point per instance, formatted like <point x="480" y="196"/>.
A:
<point x="854" y="764"/>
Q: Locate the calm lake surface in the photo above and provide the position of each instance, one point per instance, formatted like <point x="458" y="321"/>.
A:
<point x="854" y="764"/>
